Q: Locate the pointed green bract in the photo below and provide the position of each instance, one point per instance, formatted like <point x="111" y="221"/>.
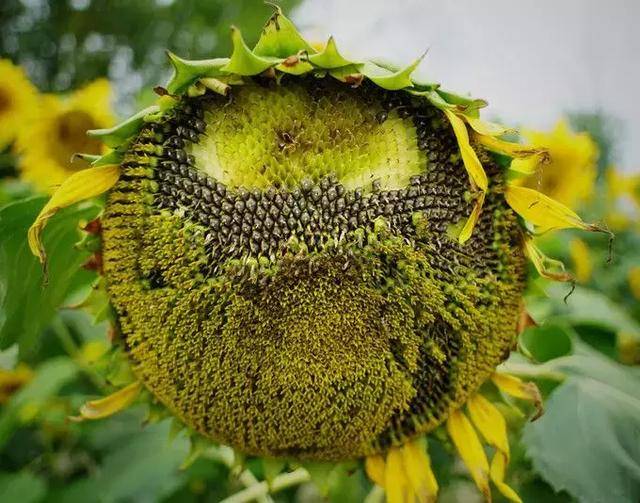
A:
<point x="330" y="57"/>
<point x="244" y="61"/>
<point x="186" y="72"/>
<point x="280" y="38"/>
<point x="392" y="81"/>
<point x="120" y="133"/>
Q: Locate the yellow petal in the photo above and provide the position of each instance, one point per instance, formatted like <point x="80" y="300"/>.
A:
<point x="375" y="468"/>
<point x="491" y="424"/>
<point x="470" y="224"/>
<point x="512" y="385"/>
<point x="468" y="445"/>
<point x="498" y="469"/>
<point x="469" y="157"/>
<point x="396" y="485"/>
<point x="487" y="128"/>
<point x="544" y="212"/>
<point x="81" y="185"/>
<point x="511" y="149"/>
<point x="581" y="258"/>
<point x="418" y="468"/>
<point x="547" y="267"/>
<point x="107" y="406"/>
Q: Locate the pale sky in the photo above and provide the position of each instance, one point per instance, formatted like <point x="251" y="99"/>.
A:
<point x="531" y="59"/>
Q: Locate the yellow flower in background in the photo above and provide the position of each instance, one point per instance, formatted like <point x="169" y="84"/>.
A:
<point x="568" y="174"/>
<point x="12" y="380"/>
<point x="18" y="99"/>
<point x="581" y="258"/>
<point x="50" y="140"/>
<point x="623" y="198"/>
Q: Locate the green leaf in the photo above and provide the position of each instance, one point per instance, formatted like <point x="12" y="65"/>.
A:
<point x="186" y="72"/>
<point x="330" y="57"/>
<point x="120" y="133"/>
<point x="26" y="307"/>
<point x="23" y="486"/>
<point x="26" y="403"/>
<point x="280" y="38"/>
<point x="272" y="467"/>
<point x="546" y="342"/>
<point x="587" y="441"/>
<point x="243" y="61"/>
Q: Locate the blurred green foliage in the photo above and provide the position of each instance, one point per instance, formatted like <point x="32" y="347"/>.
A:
<point x="66" y="43"/>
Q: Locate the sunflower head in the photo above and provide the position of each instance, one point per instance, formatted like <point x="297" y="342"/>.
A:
<point x="315" y="257"/>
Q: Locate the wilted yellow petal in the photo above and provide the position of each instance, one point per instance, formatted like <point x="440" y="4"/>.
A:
<point x="469" y="157"/>
<point x="491" y="424"/>
<point x="470" y="449"/>
<point x="547" y="267"/>
<point x="510" y="149"/>
<point x="581" y="258"/>
<point x="512" y="385"/>
<point x="418" y="468"/>
<point x="487" y="128"/>
<point x="107" y="406"/>
<point x="81" y="185"/>
<point x="544" y="212"/>
<point x="375" y="468"/>
<point x="470" y="224"/>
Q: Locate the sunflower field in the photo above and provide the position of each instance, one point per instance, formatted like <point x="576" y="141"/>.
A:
<point x="240" y="264"/>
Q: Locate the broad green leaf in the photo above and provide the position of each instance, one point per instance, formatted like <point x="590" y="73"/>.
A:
<point x="280" y="38"/>
<point x="26" y="307"/>
<point x="26" y="403"/>
<point x="587" y="442"/>
<point x="546" y="342"/>
<point x="118" y="134"/>
<point x="22" y="486"/>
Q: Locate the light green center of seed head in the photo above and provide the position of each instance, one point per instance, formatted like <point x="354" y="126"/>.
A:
<point x="283" y="135"/>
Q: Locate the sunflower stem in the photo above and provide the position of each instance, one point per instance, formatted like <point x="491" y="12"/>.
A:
<point x="279" y="483"/>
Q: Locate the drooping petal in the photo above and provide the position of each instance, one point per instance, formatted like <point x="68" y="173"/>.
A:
<point x="418" y="468"/>
<point x="487" y="128"/>
<point x="508" y="148"/>
<point x="491" y="424"/>
<point x="514" y="386"/>
<point x="544" y="212"/>
<point x="469" y="157"/>
<point x="469" y="225"/>
<point x="107" y="406"/>
<point x="396" y="485"/>
<point x="470" y="449"/>
<point x="81" y="185"/>
<point x="376" y="468"/>
<point x="547" y="267"/>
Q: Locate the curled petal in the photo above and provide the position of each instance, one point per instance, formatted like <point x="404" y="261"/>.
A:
<point x="81" y="185"/>
<point x="544" y="212"/>
<point x="512" y="385"/>
<point x="375" y="468"/>
<point x="547" y="267"/>
<point x="487" y="128"/>
<point x="469" y="225"/>
<point x="107" y="406"/>
<point x="468" y="445"/>
<point x="510" y="149"/>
